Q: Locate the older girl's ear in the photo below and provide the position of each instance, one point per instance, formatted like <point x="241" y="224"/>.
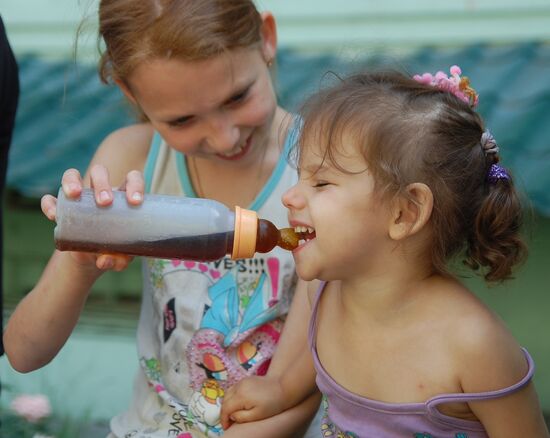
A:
<point x="269" y="37"/>
<point x="411" y="212"/>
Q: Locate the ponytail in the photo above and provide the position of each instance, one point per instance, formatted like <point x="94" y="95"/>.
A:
<point x="495" y="241"/>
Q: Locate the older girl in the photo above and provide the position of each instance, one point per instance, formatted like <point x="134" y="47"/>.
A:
<point x="198" y="71"/>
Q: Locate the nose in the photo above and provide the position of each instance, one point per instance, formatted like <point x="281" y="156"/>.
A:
<point x="223" y="133"/>
<point x="293" y="199"/>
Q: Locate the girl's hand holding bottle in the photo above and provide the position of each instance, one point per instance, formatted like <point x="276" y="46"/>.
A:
<point x="72" y="185"/>
<point x="166" y="226"/>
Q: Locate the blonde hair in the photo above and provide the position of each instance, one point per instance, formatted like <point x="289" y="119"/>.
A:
<point x="135" y="31"/>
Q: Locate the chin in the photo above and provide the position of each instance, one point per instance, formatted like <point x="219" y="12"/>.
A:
<point x="306" y="274"/>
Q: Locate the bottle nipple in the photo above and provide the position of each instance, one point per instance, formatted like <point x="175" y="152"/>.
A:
<point x="288" y="239"/>
<point x="269" y="237"/>
<point x="259" y="235"/>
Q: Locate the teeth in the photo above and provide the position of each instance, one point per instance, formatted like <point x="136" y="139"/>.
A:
<point x="236" y="151"/>
<point x="302" y="229"/>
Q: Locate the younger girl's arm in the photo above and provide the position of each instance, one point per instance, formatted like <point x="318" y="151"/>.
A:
<point x="292" y="354"/>
<point x="516" y="414"/>
<point x="500" y="363"/>
<point x="291" y="423"/>
<point x="256" y="398"/>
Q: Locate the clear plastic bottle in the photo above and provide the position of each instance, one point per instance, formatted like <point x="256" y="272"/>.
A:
<point x="165" y="226"/>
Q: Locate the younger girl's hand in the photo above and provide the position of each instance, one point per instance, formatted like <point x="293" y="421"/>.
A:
<point x="253" y="398"/>
<point x="72" y="185"/>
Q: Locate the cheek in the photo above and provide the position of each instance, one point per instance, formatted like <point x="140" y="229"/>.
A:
<point x="183" y="141"/>
<point x="259" y="110"/>
<point x="256" y="113"/>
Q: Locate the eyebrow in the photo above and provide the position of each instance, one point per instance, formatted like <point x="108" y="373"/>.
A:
<point x="316" y="168"/>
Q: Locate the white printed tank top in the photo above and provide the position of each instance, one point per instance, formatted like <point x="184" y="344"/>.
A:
<point x="205" y="326"/>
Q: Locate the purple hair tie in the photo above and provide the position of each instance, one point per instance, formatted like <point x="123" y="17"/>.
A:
<point x="496" y="173"/>
<point x="488" y="143"/>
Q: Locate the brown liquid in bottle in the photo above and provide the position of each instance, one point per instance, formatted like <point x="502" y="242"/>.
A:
<point x="201" y="248"/>
<point x="205" y="248"/>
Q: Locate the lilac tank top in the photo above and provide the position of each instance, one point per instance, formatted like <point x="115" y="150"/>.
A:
<point x="348" y="415"/>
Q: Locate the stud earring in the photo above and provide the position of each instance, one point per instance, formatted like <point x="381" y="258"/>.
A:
<point x="269" y="63"/>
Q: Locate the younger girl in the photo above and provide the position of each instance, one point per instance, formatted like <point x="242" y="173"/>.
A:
<point x="397" y="177"/>
<point x="198" y="71"/>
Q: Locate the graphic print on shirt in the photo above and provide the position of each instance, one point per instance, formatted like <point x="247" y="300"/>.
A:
<point x="235" y="339"/>
<point x="328" y="429"/>
<point x="236" y="330"/>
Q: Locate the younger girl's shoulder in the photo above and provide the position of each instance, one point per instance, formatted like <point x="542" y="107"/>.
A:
<point x="487" y="355"/>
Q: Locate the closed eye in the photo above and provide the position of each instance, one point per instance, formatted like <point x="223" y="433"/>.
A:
<point x="320" y="184"/>
<point x="182" y="121"/>
<point x="237" y="98"/>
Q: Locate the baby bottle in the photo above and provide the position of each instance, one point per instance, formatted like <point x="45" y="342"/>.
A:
<point x="165" y="226"/>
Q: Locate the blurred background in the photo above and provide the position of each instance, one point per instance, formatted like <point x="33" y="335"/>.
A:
<point x="64" y="112"/>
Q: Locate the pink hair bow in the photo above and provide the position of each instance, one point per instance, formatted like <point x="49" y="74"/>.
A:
<point x="459" y="86"/>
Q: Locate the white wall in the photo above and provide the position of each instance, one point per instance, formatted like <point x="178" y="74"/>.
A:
<point x="48" y="26"/>
<point x="402" y="23"/>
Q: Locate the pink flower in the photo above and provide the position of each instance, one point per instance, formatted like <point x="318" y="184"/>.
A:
<point x="456" y="70"/>
<point x="426" y="78"/>
<point x="32" y="407"/>
<point x="455" y="84"/>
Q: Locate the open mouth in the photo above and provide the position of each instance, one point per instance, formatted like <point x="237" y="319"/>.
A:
<point x="305" y="234"/>
<point x="238" y="152"/>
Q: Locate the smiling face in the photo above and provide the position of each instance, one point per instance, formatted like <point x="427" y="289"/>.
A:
<point x="221" y="108"/>
<point x="335" y="207"/>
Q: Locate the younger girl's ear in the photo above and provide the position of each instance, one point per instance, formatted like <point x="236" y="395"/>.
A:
<point x="126" y="90"/>
<point x="410" y="213"/>
<point x="269" y="36"/>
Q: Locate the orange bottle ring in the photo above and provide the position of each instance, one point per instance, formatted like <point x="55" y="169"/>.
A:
<point x="246" y="229"/>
